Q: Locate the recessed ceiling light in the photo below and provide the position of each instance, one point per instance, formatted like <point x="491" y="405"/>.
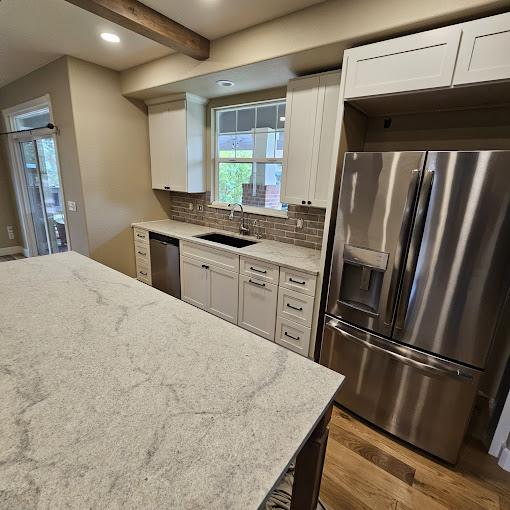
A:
<point x="225" y="83"/>
<point x="110" y="37"/>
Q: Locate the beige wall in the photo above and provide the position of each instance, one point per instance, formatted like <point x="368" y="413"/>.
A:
<point x="113" y="146"/>
<point x="339" y="24"/>
<point x="8" y="210"/>
<point x="53" y="79"/>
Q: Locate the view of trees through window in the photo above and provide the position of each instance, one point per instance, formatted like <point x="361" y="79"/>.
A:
<point x="249" y="152"/>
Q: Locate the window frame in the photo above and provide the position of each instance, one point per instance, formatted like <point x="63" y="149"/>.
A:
<point x="217" y="160"/>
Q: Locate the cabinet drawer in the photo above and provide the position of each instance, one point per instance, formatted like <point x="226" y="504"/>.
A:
<point x="142" y="253"/>
<point x="295" y="306"/>
<point x="293" y="336"/>
<point x="260" y="270"/>
<point x="141" y="235"/>
<point x="297" y="280"/>
<point x="143" y="273"/>
<point x="483" y="54"/>
<point x="414" y="62"/>
<point x="218" y="258"/>
<point x="257" y="306"/>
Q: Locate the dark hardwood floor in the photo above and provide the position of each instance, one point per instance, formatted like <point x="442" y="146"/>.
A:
<point x="368" y="469"/>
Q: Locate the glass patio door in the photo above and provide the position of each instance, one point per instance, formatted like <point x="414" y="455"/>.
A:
<point x="44" y="195"/>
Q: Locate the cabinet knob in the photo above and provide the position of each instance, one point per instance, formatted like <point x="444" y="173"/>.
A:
<point x="309" y="202"/>
<point x="167" y="187"/>
<point x="303" y="202"/>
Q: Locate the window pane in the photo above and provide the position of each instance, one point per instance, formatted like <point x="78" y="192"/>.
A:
<point x="245" y="119"/>
<point x="281" y="116"/>
<point x="264" y="144"/>
<point x="244" y="147"/>
<point x="231" y="177"/>
<point x="32" y="120"/>
<point x="226" y="146"/>
<point x="266" y="117"/>
<point x="227" y="122"/>
<point x="278" y="151"/>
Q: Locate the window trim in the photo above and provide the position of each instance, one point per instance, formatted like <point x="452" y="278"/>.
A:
<point x="265" y="211"/>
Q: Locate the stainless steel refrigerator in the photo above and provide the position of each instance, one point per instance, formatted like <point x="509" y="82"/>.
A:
<point x="420" y="272"/>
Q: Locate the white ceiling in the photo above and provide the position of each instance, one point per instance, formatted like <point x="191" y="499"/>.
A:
<point x="216" y="18"/>
<point x="35" y="32"/>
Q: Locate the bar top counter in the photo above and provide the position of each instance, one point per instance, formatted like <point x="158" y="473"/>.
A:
<point x="115" y="395"/>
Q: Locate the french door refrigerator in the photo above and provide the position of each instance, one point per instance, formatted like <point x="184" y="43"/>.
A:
<point x="420" y="272"/>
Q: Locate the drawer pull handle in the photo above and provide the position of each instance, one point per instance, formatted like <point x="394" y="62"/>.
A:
<point x="140" y="235"/>
<point x="295" y="281"/>
<point x="300" y="309"/>
<point x="258" y="270"/>
<point x="256" y="283"/>
<point x="142" y="273"/>
<point x="142" y="253"/>
<point x="205" y="267"/>
<point x="290" y="336"/>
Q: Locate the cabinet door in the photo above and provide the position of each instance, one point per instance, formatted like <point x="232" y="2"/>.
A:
<point x="194" y="282"/>
<point x="176" y="141"/>
<point x="300" y="123"/>
<point x="484" y="53"/>
<point x="223" y="293"/>
<point x="159" y="146"/>
<point x="415" y="62"/>
<point x="327" y="113"/>
<point x="257" y="306"/>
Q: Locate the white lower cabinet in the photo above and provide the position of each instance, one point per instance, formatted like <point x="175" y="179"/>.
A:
<point x="210" y="288"/>
<point x="194" y="280"/>
<point x="293" y="336"/>
<point x="249" y="299"/>
<point x="223" y="293"/>
<point x="257" y="306"/>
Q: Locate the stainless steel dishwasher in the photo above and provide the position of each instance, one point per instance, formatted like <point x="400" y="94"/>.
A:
<point x="165" y="264"/>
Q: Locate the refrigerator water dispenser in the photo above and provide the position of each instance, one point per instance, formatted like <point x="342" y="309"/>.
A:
<point x="362" y="278"/>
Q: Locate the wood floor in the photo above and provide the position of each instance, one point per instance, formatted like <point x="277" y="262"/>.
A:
<point x="367" y="469"/>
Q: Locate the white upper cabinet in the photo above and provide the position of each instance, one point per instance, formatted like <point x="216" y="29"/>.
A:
<point x="177" y="144"/>
<point x="414" y="62"/>
<point x="484" y="53"/>
<point x="311" y="112"/>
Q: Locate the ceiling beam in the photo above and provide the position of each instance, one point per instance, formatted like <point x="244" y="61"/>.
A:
<point x="143" y="20"/>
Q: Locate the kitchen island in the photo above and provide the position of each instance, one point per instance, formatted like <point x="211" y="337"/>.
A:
<point x="115" y="395"/>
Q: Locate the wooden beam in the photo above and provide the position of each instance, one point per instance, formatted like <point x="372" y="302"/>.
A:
<point x="143" y="20"/>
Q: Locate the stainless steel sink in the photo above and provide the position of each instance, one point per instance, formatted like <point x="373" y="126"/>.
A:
<point x="236" y="242"/>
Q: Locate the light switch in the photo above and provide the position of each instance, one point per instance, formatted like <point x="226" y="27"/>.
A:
<point x="299" y="223"/>
<point x="10" y="232"/>
<point x="71" y="205"/>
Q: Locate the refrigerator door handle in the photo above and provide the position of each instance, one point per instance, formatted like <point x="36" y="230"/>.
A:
<point x="400" y="250"/>
<point x="414" y="248"/>
<point x="431" y="369"/>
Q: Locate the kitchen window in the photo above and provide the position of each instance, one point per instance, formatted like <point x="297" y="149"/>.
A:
<point x="248" y="156"/>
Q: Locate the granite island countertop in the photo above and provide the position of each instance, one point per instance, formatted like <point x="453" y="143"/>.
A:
<point x="115" y="395"/>
<point x="287" y="255"/>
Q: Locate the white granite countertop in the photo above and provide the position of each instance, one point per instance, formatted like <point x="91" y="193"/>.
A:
<point x="117" y="396"/>
<point x="287" y="255"/>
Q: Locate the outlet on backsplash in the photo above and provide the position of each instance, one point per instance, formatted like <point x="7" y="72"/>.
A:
<point x="304" y="225"/>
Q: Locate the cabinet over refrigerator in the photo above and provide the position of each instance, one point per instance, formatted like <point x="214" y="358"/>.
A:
<point x="418" y="280"/>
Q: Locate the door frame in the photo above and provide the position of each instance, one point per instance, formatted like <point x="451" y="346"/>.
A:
<point x="16" y="167"/>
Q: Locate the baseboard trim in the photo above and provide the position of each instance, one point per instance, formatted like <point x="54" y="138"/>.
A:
<point x="504" y="459"/>
<point x="12" y="250"/>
